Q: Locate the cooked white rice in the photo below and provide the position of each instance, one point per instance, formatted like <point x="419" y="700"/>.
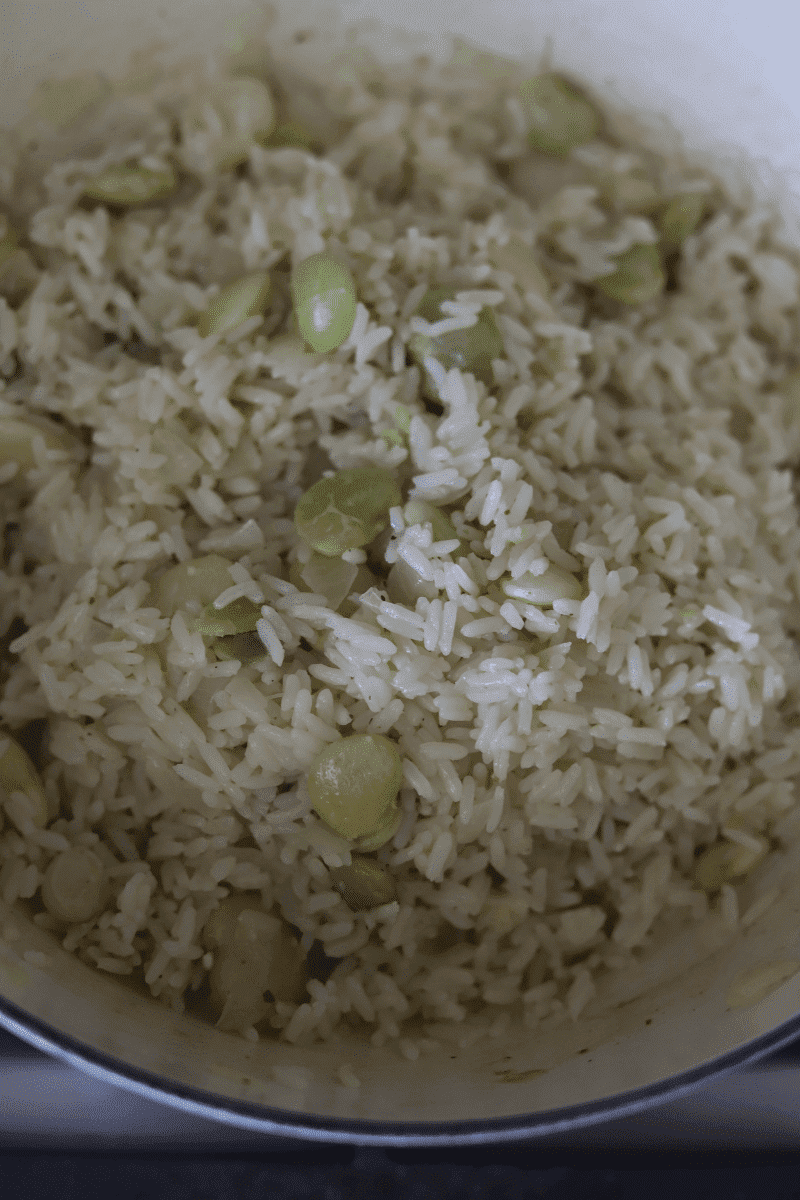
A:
<point x="563" y="765"/>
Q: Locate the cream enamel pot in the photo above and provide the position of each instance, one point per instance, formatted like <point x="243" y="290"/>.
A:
<point x="725" y="81"/>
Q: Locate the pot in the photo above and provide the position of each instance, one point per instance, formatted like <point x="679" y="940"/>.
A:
<point x="676" y="1021"/>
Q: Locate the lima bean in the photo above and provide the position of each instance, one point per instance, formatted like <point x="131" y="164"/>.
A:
<point x="324" y="298"/>
<point x="559" y="116"/>
<point x="353" y="784"/>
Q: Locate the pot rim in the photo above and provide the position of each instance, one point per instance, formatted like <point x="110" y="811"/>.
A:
<point x="275" y="1122"/>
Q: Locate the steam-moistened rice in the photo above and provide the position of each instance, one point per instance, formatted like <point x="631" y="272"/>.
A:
<point x="576" y="627"/>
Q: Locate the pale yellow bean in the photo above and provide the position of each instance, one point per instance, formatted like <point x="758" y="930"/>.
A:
<point x="193" y="584"/>
<point x="126" y="185"/>
<point x="74" y="886"/>
<point x="639" y="276"/>
<point x="18" y="774"/>
<point x="236" y="303"/>
<point x="219" y="130"/>
<point x="725" y="861"/>
<point x="17" y="439"/>
<point x="353" y="785"/>
<point x="240" y="616"/>
<point x="560" y="117"/>
<point x="554" y="584"/>
<point x="364" y="884"/>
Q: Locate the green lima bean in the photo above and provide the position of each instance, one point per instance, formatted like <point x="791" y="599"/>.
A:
<point x="353" y="785"/>
<point x="346" y="510"/>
